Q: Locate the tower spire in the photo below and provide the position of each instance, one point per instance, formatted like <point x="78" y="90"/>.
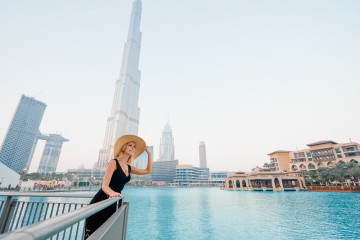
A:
<point x="124" y="117"/>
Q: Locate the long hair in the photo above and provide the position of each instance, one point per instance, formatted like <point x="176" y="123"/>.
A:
<point x="131" y="158"/>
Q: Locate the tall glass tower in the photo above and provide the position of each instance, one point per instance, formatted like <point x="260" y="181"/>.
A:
<point x="167" y="148"/>
<point x="124" y="118"/>
<point x="50" y="157"/>
<point x="16" y="148"/>
<point x="202" y="155"/>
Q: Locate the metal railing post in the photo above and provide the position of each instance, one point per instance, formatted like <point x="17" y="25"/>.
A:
<point x="4" y="219"/>
<point x="125" y="220"/>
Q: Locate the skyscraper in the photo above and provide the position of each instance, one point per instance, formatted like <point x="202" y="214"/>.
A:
<point x="142" y="160"/>
<point x="124" y="118"/>
<point x="50" y="157"/>
<point x="167" y="148"/>
<point x="202" y="155"/>
<point x="16" y="149"/>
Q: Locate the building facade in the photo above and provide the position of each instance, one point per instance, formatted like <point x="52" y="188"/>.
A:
<point x="190" y="175"/>
<point x="141" y="162"/>
<point x="202" y="155"/>
<point x="164" y="171"/>
<point x="279" y="160"/>
<point x="124" y="117"/>
<point x="167" y="148"/>
<point x="87" y="174"/>
<point x="219" y="174"/>
<point x="17" y="147"/>
<point x="265" y="181"/>
<point x="324" y="153"/>
<point x="51" y="154"/>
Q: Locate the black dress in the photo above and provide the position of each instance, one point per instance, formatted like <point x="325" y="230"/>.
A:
<point x="117" y="183"/>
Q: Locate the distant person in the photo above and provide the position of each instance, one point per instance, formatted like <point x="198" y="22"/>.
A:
<point x="127" y="148"/>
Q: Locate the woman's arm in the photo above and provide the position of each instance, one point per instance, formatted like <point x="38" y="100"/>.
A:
<point x="108" y="174"/>
<point x="148" y="169"/>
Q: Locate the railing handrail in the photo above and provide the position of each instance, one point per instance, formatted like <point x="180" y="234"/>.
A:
<point x="45" y="194"/>
<point x="49" y="227"/>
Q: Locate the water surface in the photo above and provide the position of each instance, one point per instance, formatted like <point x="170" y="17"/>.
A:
<point x="211" y="213"/>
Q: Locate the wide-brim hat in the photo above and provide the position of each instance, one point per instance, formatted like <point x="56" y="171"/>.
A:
<point x="139" y="142"/>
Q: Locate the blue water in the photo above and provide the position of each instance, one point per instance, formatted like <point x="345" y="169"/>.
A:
<point x="210" y="213"/>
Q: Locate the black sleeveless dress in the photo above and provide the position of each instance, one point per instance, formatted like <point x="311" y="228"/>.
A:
<point x="117" y="183"/>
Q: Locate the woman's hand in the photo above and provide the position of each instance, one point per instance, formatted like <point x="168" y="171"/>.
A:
<point x="147" y="149"/>
<point x="114" y="194"/>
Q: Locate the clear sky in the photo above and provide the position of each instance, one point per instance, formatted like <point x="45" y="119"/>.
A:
<point x="247" y="77"/>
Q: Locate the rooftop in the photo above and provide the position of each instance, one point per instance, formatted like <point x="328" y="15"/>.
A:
<point x="279" y="151"/>
<point x="321" y="142"/>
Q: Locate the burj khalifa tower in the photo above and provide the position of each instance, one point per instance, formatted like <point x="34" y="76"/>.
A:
<point x="124" y="117"/>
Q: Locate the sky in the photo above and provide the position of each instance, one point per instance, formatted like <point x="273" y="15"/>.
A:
<point x="247" y="77"/>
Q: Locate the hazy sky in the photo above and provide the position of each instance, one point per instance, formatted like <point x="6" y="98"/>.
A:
<point x="247" y="77"/>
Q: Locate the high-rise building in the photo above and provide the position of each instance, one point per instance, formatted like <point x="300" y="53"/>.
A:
<point x="50" y="157"/>
<point x="142" y="161"/>
<point x="167" y="148"/>
<point x="124" y="118"/>
<point x="164" y="171"/>
<point x="202" y="155"/>
<point x="16" y="148"/>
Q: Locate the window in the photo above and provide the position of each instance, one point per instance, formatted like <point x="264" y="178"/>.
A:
<point x="309" y="159"/>
<point x="337" y="150"/>
<point x="339" y="156"/>
<point x="350" y="149"/>
<point x="308" y="154"/>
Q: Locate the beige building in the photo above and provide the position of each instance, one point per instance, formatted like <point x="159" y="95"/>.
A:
<point x="265" y="180"/>
<point x="279" y="160"/>
<point x="324" y="154"/>
<point x="319" y="154"/>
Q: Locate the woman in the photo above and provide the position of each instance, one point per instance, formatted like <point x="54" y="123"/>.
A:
<point x="127" y="148"/>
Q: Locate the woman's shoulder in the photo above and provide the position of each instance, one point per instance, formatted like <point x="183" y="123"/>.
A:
<point x="113" y="163"/>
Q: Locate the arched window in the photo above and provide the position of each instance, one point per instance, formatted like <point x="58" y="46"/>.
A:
<point x="320" y="165"/>
<point x="237" y="184"/>
<point x="311" y="166"/>
<point x="294" y="168"/>
<point x="230" y="184"/>
<point x="243" y="183"/>
<point x="354" y="161"/>
<point x="277" y="183"/>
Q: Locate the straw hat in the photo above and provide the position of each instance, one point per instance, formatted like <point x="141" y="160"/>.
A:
<point x="140" y="145"/>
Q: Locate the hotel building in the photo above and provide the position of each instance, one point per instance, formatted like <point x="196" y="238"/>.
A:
<point x="16" y="150"/>
<point x="51" y="154"/>
<point x="323" y="153"/>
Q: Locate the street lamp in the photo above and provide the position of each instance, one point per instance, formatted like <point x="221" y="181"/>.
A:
<point x="22" y="176"/>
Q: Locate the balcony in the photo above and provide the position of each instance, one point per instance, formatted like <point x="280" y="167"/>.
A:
<point x="294" y="160"/>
